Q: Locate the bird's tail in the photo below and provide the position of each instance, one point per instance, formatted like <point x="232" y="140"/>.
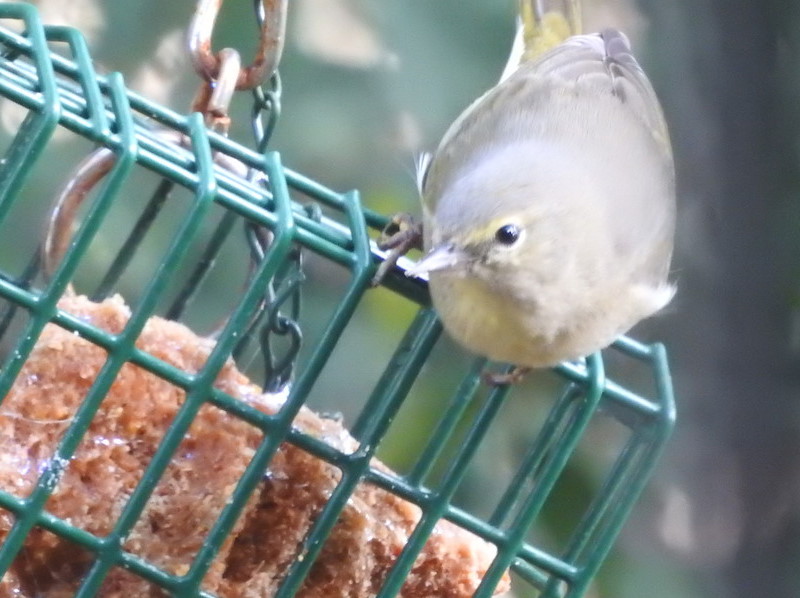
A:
<point x="542" y="24"/>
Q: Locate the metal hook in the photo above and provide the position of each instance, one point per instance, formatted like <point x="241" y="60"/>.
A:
<point x="270" y="47"/>
<point x="61" y="223"/>
<point x="62" y="215"/>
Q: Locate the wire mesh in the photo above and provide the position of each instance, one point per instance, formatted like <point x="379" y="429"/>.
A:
<point x="66" y="93"/>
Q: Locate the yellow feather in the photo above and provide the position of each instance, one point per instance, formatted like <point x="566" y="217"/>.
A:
<point x="545" y="28"/>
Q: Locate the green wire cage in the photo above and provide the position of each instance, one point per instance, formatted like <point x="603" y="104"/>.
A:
<point x="47" y="72"/>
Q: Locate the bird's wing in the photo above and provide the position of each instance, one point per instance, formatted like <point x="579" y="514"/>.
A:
<point x="599" y="64"/>
<point x="605" y="59"/>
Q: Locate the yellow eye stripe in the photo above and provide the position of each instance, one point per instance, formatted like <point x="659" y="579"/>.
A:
<point x="486" y="233"/>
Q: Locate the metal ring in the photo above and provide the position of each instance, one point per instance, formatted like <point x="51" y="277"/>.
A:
<point x="213" y="99"/>
<point x="270" y="46"/>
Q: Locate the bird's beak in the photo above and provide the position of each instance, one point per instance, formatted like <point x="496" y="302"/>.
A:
<point x="440" y="257"/>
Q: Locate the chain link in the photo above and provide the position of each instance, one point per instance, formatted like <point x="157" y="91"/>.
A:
<point x="279" y="334"/>
<point x="265" y="111"/>
<point x="275" y="323"/>
<point x="271" y="17"/>
<point x="277" y="316"/>
<point x="213" y="98"/>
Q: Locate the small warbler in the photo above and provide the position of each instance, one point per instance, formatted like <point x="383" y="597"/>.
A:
<point x="549" y="205"/>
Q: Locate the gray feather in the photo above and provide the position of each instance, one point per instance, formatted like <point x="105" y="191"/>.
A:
<point x="605" y="60"/>
<point x="585" y="106"/>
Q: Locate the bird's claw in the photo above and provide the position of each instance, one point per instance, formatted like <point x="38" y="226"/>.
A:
<point x="515" y="376"/>
<point x="401" y="235"/>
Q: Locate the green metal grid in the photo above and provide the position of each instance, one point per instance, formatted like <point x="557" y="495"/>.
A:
<point x="60" y="92"/>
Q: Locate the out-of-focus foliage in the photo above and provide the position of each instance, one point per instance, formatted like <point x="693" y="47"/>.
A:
<point x="367" y="83"/>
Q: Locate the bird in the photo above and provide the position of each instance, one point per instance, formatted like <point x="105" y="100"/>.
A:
<point x="548" y="207"/>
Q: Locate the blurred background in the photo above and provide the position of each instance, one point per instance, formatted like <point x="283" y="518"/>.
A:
<point x="369" y="83"/>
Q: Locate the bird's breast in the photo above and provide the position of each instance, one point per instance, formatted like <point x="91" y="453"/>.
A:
<point x="483" y="319"/>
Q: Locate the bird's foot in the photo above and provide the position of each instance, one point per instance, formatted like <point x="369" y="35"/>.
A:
<point x="515" y="376"/>
<point x="400" y="236"/>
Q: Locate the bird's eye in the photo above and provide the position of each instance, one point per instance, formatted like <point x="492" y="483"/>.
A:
<point x="508" y="234"/>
